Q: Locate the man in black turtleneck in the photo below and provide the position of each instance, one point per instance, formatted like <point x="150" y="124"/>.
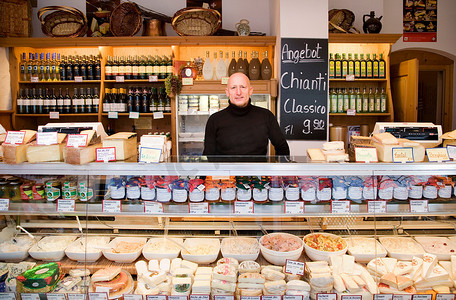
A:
<point x="242" y="128"/>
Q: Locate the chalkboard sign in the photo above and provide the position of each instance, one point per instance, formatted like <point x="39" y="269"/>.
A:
<point x="303" y="88"/>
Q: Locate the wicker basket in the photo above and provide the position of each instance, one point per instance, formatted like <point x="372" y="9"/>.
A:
<point x="16" y="18"/>
<point x="63" y="21"/>
<point x="341" y="20"/>
<point x="125" y="19"/>
<point x="196" y="21"/>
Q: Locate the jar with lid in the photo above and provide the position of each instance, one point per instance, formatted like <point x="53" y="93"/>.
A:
<point x="260" y="189"/>
<point x="370" y="187"/>
<point x="27" y="191"/>
<point x="163" y="188"/>
<point x="386" y="188"/>
<point x="183" y="103"/>
<point x="243" y="188"/>
<point x="196" y="190"/>
<point x="415" y="185"/>
<point x="85" y="191"/>
<point x="53" y="189"/>
<point x="212" y="189"/>
<point x="3" y="189"/>
<point x="291" y="187"/>
<point x="308" y="185"/>
<point x="14" y="191"/>
<point x="116" y="188"/>
<point x="148" y="187"/>
<point x="133" y="187"/>
<point x="355" y="188"/>
<point x="39" y="192"/>
<point x="228" y="189"/>
<point x="324" y="189"/>
<point x="276" y="189"/>
<point x="69" y="188"/>
<point x="179" y="188"/>
<point x="339" y="188"/>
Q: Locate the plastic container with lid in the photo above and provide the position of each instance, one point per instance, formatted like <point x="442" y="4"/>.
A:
<point x="243" y="188"/>
<point x="53" y="190"/>
<point x="291" y="187"/>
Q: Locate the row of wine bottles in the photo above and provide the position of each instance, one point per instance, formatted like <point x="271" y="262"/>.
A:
<point x="138" y="67"/>
<point x="88" y="67"/>
<point x="137" y="99"/>
<point x="341" y="66"/>
<point x="343" y="99"/>
<point x="44" y="101"/>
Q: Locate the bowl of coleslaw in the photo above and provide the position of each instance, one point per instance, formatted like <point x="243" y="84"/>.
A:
<point x="201" y="250"/>
<point x="321" y="245"/>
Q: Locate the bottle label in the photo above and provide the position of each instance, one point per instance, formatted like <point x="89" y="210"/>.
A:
<point x="121" y="70"/>
<point x="346" y="102"/>
<point x="96" y="101"/>
<point x="142" y="69"/>
<point x="169" y="69"/>
<point x="381" y="69"/>
<point x="60" y="102"/>
<point x="20" y="102"/>
<point x="163" y="69"/>
<point x="135" y="70"/>
<point x="149" y="69"/>
<point x="88" y="101"/>
<point x="340" y="104"/>
<point x="108" y="70"/>
<point x="359" y="104"/>
<point x="40" y="102"/>
<point x="352" y="101"/>
<point x="156" y="69"/>
<point x="334" y="103"/>
<point x="128" y="70"/>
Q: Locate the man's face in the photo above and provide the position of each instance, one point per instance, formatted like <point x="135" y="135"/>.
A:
<point x="239" y="90"/>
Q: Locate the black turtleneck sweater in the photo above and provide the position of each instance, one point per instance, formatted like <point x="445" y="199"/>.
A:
<point x="243" y="131"/>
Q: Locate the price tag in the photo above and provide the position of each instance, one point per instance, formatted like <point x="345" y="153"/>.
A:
<point x="403" y="155"/>
<point x="112" y="206"/>
<point x="350" y="77"/>
<point x="4" y="204"/>
<point x="294" y="267"/>
<point x="120" y="78"/>
<point x="31" y="296"/>
<point x="444" y="297"/>
<point x="14" y="137"/>
<point x="351" y="112"/>
<point x="113" y="115"/>
<point x="64" y="205"/>
<point x="98" y="296"/>
<point x="187" y="81"/>
<point x="77" y="140"/>
<point x="422" y="297"/>
<point x="51" y="296"/>
<point x="289" y="297"/>
<point x="149" y="155"/>
<point x="223" y="297"/>
<point x="451" y="153"/>
<point x="133" y="115"/>
<point x="54" y="115"/>
<point x="366" y="154"/>
<point x="174" y="297"/>
<point x="340" y="206"/>
<point x="199" y="297"/>
<point x="383" y="297"/>
<point x="351" y="297"/>
<point x="78" y="79"/>
<point x="243" y="207"/>
<point x="155" y="297"/>
<point x="376" y="207"/>
<point x="75" y="296"/>
<point x="106" y="154"/>
<point x="34" y="79"/>
<point x="271" y="297"/>
<point x="402" y="297"/>
<point x="152" y="207"/>
<point x="132" y="297"/>
<point x="294" y="207"/>
<point x="330" y="296"/>
<point x="153" y="78"/>
<point x="199" y="208"/>
<point x="250" y="297"/>
<point x="419" y="206"/>
<point x="437" y="154"/>
<point x="46" y="138"/>
<point x="225" y="80"/>
<point x="158" y="115"/>
<point x="7" y="296"/>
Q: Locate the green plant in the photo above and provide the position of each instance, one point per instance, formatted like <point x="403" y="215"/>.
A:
<point x="173" y="85"/>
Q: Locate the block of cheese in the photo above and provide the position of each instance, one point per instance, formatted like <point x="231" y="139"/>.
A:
<point x="385" y="138"/>
<point x="43" y="153"/>
<point x="334" y="145"/>
<point x="125" y="144"/>
<point x="385" y="151"/>
<point x="315" y="154"/>
<point x="92" y="137"/>
<point x="16" y="154"/>
<point x="80" y="155"/>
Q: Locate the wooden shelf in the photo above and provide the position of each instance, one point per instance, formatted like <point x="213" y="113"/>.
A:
<point x="59" y="82"/>
<point x="134" y="81"/>
<point x="140" y="114"/>
<point x="361" y="115"/>
<point x="60" y="115"/>
<point x="363" y="38"/>
<point x="359" y="79"/>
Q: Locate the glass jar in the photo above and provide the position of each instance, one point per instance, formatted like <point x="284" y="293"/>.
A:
<point x="163" y="188"/>
<point x="324" y="189"/>
<point x="228" y="189"/>
<point x="27" y="191"/>
<point x="85" y="192"/>
<point x="355" y="188"/>
<point x="339" y="188"/>
<point x="276" y="189"/>
<point x="14" y="191"/>
<point x="243" y="188"/>
<point x="370" y="188"/>
<point x="39" y="192"/>
<point x="308" y="186"/>
<point x="179" y="188"/>
<point x="70" y="189"/>
<point x="386" y="188"/>
<point x="53" y="190"/>
<point x="291" y="187"/>
<point x="117" y="188"/>
<point x="133" y="188"/>
<point x="196" y="190"/>
<point x="148" y="188"/>
<point x="260" y="189"/>
<point x="3" y="188"/>
<point x="212" y="189"/>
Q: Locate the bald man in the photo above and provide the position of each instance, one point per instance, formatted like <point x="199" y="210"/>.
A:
<point x="242" y="128"/>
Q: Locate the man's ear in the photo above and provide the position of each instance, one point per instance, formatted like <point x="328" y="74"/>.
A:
<point x="227" y="93"/>
<point x="251" y="91"/>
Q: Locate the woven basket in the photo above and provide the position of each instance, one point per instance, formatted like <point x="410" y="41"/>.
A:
<point x="64" y="21"/>
<point x="196" y="21"/>
<point x="341" y="20"/>
<point x="125" y="19"/>
<point x="16" y="18"/>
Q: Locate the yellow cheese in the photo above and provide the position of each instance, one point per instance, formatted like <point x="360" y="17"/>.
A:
<point x="315" y="154"/>
<point x="14" y="154"/>
<point x="80" y="155"/>
<point x="42" y="153"/>
<point x="91" y="136"/>
<point x="125" y="144"/>
<point x="385" y="152"/>
<point x="385" y="138"/>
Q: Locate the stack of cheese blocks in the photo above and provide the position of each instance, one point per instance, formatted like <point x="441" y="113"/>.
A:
<point x="331" y="152"/>
<point x="320" y="278"/>
<point x="224" y="277"/>
<point x="351" y="278"/>
<point x="157" y="142"/>
<point x="83" y="155"/>
<point x="385" y="142"/>
<point x="275" y="280"/>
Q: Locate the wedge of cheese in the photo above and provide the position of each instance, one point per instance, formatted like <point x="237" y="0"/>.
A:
<point x="377" y="267"/>
<point x="417" y="268"/>
<point x="125" y="144"/>
<point x="390" y="264"/>
<point x="44" y="153"/>
<point x="403" y="267"/>
<point x="429" y="262"/>
<point x="385" y="138"/>
<point x="80" y="155"/>
<point x="17" y="153"/>
<point x="315" y="154"/>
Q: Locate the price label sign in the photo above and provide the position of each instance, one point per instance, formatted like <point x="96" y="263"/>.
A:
<point x="199" y="208"/>
<point x="34" y="79"/>
<point x="243" y="208"/>
<point x="152" y="207"/>
<point x="289" y="297"/>
<point x="340" y="206"/>
<point x="376" y="207"/>
<point x="14" y="137"/>
<point x="225" y="80"/>
<point x="366" y="155"/>
<point x="153" y="78"/>
<point x="4" y="204"/>
<point x="120" y="78"/>
<point x="187" y="81"/>
<point x="46" y="138"/>
<point x="199" y="297"/>
<point x="351" y="112"/>
<point x="149" y="155"/>
<point x="383" y="297"/>
<point x="7" y="296"/>
<point x="444" y="297"/>
<point x="113" y="115"/>
<point x="250" y="297"/>
<point x="177" y="297"/>
<point x="350" y="77"/>
<point x="133" y="115"/>
<point x="403" y="155"/>
<point x="78" y="79"/>
<point x="50" y="296"/>
<point x="54" y="115"/>
<point x="76" y="296"/>
<point x="31" y="296"/>
<point x="402" y="297"/>
<point x="223" y="297"/>
<point x="437" y="154"/>
<point x="64" y="205"/>
<point x="419" y="206"/>
<point x="351" y="297"/>
<point x="77" y="140"/>
<point x="451" y="153"/>
<point x="294" y="207"/>
<point x="106" y="154"/>
<point x="132" y="297"/>
<point x="422" y="297"/>
<point x="271" y="297"/>
<point x="158" y="115"/>
<point x="294" y="267"/>
<point x="98" y="296"/>
<point x="112" y="206"/>
<point x="155" y="297"/>
<point x="324" y="296"/>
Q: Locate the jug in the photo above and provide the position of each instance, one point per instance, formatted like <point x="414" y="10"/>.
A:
<point x="372" y="25"/>
<point x="243" y="28"/>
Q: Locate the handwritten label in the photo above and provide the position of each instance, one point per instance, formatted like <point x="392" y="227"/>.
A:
<point x="223" y="297"/>
<point x="294" y="207"/>
<point x="437" y="154"/>
<point x="46" y="138"/>
<point x="351" y="112"/>
<point x="294" y="267"/>
<point x="383" y="297"/>
<point x="243" y="207"/>
<point x="419" y="206"/>
<point x="289" y="297"/>
<point x="64" y="205"/>
<point x="199" y="297"/>
<point x="54" y="115"/>
<point x="422" y="297"/>
<point x="34" y="79"/>
<point x="55" y="296"/>
<point x="112" y="206"/>
<point x="187" y="81"/>
<point x="324" y="296"/>
<point x="152" y="207"/>
<point x="78" y="79"/>
<point x="120" y="78"/>
<point x="98" y="296"/>
<point x="76" y="140"/>
<point x="132" y="297"/>
<point x="113" y="115"/>
<point x="4" y="204"/>
<point x="14" y="137"/>
<point x="30" y="296"/>
<point x="250" y="297"/>
<point x="198" y="208"/>
<point x="173" y="297"/>
<point x="403" y="154"/>
<point x="149" y="155"/>
<point x="350" y="77"/>
<point x="224" y="80"/>
<point x="366" y="154"/>
<point x="7" y="296"/>
<point x="351" y="297"/>
<point x="451" y="151"/>
<point x="158" y="115"/>
<point x="376" y="207"/>
<point x="340" y="207"/>
<point x="445" y="297"/>
<point x="106" y="154"/>
<point x="133" y="115"/>
<point x="76" y="296"/>
<point x="402" y="297"/>
<point x="155" y="297"/>
<point x="303" y="88"/>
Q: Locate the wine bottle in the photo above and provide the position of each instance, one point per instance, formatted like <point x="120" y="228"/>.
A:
<point x="254" y="67"/>
<point x="60" y="102"/>
<point x="83" y="68"/>
<point x="135" y="68"/>
<point x="75" y="102"/>
<point x="163" y="67"/>
<point x="240" y="65"/>
<point x="137" y="100"/>
<point x="23" y="68"/>
<point x="30" y="67"/>
<point x="108" y="69"/>
<point x="53" y="101"/>
<point x="67" y="102"/>
<point x="33" y="101"/>
<point x="266" y="68"/>
<point x="40" y="102"/>
<point x="145" y="101"/>
<point x="208" y="70"/>
<point x="232" y="66"/>
<point x="88" y="101"/>
<point x="246" y="63"/>
<point x="128" y="68"/>
<point x="62" y="69"/>
<point x="46" y="101"/>
<point x="20" y="101"/>
<point x="130" y="100"/>
<point x="95" y="100"/>
<point x="221" y="67"/>
<point x="27" y="102"/>
<point x="106" y="101"/>
<point x="153" y="99"/>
